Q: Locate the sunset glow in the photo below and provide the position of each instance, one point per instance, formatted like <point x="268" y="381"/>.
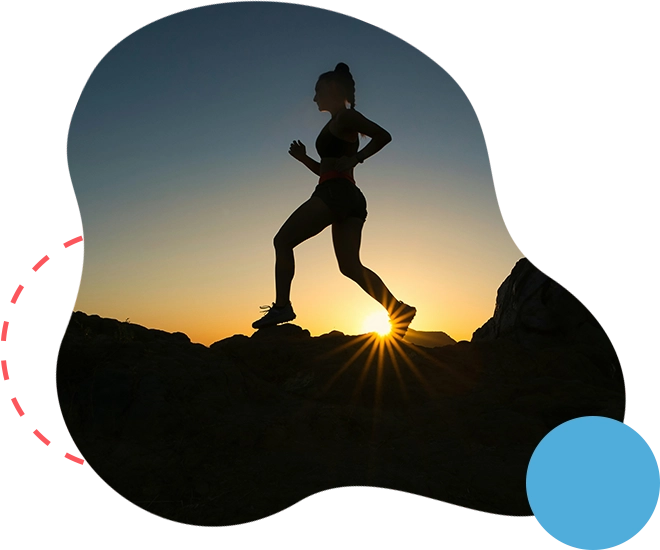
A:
<point x="377" y="322"/>
<point x="184" y="178"/>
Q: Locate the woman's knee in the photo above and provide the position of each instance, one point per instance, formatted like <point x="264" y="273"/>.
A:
<point x="352" y="270"/>
<point x="281" y="242"/>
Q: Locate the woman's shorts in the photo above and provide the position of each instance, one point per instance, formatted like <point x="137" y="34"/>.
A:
<point x="343" y="197"/>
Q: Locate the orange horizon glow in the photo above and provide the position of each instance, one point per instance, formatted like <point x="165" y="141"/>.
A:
<point x="377" y="322"/>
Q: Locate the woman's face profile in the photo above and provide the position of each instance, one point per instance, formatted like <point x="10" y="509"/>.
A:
<point x="326" y="92"/>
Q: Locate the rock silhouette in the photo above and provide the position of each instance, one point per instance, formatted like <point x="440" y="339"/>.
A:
<point x="249" y="426"/>
<point x="428" y="339"/>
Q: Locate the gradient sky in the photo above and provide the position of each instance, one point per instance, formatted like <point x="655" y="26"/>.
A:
<point x="178" y="154"/>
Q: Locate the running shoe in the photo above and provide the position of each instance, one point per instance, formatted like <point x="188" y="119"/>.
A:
<point x="274" y="316"/>
<point x="401" y="317"/>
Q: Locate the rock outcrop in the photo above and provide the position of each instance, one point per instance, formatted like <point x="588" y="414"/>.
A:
<point x="251" y="425"/>
<point x="540" y="315"/>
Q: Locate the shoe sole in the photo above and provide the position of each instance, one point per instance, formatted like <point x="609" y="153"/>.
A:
<point x="257" y="325"/>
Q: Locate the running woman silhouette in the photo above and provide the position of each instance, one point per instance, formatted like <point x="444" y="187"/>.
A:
<point x="336" y="201"/>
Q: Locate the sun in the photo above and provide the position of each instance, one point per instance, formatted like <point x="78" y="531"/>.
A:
<point x="378" y="322"/>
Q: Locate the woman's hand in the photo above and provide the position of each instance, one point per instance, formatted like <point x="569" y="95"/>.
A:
<point x="297" y="150"/>
<point x="344" y="164"/>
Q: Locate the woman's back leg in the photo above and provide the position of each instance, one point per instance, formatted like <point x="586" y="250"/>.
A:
<point x="346" y="238"/>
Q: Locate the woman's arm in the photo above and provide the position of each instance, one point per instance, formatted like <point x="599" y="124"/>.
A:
<point x="312" y="164"/>
<point x="377" y="142"/>
<point x="352" y="120"/>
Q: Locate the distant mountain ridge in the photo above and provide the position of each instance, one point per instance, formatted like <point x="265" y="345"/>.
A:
<point x="428" y="339"/>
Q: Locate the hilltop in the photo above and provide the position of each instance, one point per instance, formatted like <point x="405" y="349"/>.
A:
<point x="250" y="425"/>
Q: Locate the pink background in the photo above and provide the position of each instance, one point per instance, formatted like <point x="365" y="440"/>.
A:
<point x="569" y="91"/>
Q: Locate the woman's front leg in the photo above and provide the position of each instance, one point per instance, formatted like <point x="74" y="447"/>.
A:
<point x="284" y="270"/>
<point x="311" y="217"/>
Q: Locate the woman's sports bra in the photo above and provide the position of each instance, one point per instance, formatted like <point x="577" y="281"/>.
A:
<point x="329" y="145"/>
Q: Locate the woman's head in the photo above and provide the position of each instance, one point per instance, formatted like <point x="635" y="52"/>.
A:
<point x="336" y="87"/>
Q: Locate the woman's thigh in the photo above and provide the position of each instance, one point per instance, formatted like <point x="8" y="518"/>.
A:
<point x="308" y="220"/>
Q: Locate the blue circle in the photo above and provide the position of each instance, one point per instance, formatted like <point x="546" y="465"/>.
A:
<point x="593" y="483"/>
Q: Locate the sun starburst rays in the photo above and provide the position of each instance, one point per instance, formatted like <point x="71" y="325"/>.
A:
<point x="387" y="352"/>
<point x="377" y="322"/>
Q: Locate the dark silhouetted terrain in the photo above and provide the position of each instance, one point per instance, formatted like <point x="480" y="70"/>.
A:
<point x="252" y="425"/>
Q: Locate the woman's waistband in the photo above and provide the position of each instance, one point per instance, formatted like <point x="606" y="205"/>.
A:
<point x="334" y="174"/>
